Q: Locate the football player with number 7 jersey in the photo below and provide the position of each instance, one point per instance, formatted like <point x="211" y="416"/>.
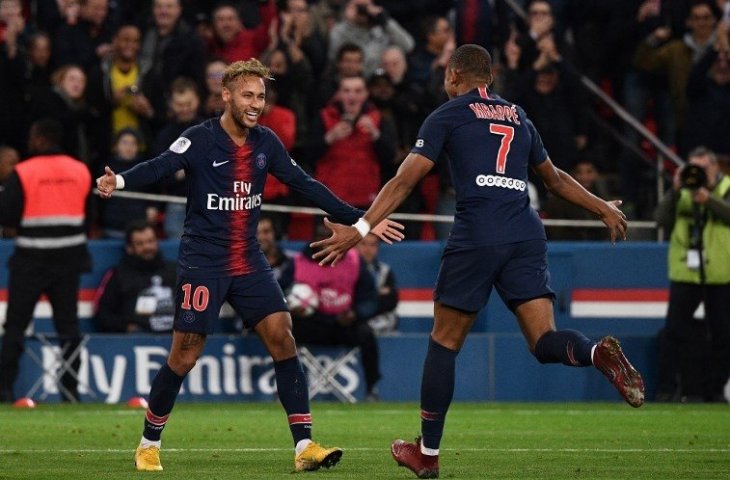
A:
<point x="497" y="241"/>
<point x="226" y="160"/>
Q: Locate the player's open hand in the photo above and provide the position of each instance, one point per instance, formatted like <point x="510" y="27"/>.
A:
<point x="332" y="249"/>
<point x="615" y="220"/>
<point x="388" y="231"/>
<point x="107" y="183"/>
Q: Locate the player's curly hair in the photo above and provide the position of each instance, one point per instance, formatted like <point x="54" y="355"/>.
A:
<point x="472" y="60"/>
<point x="251" y="67"/>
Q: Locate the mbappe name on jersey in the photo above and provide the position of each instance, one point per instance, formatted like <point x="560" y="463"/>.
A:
<point x="496" y="112"/>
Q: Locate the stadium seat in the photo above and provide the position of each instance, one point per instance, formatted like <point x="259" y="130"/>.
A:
<point x="323" y="374"/>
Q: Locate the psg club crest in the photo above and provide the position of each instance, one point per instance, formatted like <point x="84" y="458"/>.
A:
<point x="261" y="160"/>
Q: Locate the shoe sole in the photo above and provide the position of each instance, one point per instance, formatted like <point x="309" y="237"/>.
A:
<point x="632" y="388"/>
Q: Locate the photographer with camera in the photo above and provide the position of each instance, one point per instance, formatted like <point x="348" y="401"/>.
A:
<point x="697" y="213"/>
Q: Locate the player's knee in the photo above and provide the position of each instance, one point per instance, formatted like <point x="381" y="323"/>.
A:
<point x="182" y="365"/>
<point x="541" y="348"/>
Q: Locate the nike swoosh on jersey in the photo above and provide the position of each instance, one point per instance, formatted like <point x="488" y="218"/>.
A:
<point x="217" y="164"/>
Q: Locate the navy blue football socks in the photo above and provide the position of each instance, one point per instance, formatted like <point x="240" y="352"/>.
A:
<point x="291" y="384"/>
<point x="437" y="390"/>
<point x="569" y="347"/>
<point x="163" y="393"/>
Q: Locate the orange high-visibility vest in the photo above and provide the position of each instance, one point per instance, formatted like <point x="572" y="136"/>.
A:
<point x="55" y="189"/>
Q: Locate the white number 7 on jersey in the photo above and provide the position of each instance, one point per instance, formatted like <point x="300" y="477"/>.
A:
<point x="507" y="133"/>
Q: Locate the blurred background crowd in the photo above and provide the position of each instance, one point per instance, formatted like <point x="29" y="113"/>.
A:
<point x="353" y="80"/>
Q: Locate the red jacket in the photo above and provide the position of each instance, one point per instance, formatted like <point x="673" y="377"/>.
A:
<point x="350" y="166"/>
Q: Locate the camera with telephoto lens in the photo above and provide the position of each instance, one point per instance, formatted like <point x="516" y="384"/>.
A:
<point x="693" y="177"/>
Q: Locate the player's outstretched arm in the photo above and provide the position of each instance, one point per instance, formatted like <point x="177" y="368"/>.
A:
<point x="344" y="237"/>
<point x="562" y="184"/>
<point x="411" y="171"/>
<point x="107" y="183"/>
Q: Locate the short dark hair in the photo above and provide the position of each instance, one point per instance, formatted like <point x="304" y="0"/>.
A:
<point x="49" y="129"/>
<point x="136" y="226"/>
<point x="349" y="47"/>
<point x="472" y="60"/>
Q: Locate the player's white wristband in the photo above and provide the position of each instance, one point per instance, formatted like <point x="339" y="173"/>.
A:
<point x="362" y="226"/>
<point x="120" y="182"/>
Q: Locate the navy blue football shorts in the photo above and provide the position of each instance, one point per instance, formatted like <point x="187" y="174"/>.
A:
<point x="199" y="300"/>
<point x="517" y="270"/>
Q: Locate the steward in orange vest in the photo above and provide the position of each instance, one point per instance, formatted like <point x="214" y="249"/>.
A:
<point x="46" y="198"/>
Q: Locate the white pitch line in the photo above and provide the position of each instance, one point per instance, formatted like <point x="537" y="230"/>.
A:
<point x="368" y="449"/>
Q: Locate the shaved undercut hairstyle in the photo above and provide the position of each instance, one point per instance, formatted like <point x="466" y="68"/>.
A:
<point x="246" y="68"/>
<point x="472" y="61"/>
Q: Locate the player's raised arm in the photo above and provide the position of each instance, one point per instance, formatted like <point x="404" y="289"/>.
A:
<point x="107" y="183"/>
<point x="562" y="184"/>
<point x="344" y="237"/>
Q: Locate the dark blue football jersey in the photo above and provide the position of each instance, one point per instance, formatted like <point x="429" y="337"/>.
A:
<point x="490" y="144"/>
<point x="225" y="191"/>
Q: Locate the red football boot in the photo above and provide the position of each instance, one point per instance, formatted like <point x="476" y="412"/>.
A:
<point x="610" y="360"/>
<point x="409" y="455"/>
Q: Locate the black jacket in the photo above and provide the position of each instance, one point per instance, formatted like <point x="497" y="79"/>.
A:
<point x="137" y="292"/>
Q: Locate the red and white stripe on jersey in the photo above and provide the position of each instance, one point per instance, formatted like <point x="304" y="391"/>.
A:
<point x="299" y="418"/>
<point x="154" y="419"/>
<point x="483" y="92"/>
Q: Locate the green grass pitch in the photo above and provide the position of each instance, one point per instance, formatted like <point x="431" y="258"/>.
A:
<point x="482" y="441"/>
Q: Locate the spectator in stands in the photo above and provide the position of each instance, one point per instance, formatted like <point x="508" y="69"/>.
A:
<point x="348" y="297"/>
<point x="358" y="144"/>
<point x="293" y="74"/>
<point x="14" y="30"/>
<point x="65" y="102"/>
<point x="88" y="40"/>
<point x="213" y="104"/>
<point x="9" y="157"/>
<point x="138" y="294"/>
<point x="541" y="37"/>
<point x="586" y="173"/>
<point x="370" y="27"/>
<point x="117" y="213"/>
<point x="407" y="100"/>
<point x="385" y="319"/>
<point x="116" y="90"/>
<point x="674" y="59"/>
<point x="708" y="94"/>
<point x="348" y="63"/>
<point x="697" y="213"/>
<point x="184" y="106"/>
<point x="170" y="49"/>
<point x="12" y="63"/>
<point x="427" y="61"/>
<point x="548" y="88"/>
<point x="231" y="41"/>
<point x="398" y="110"/>
<point x="645" y="95"/>
<point x="282" y="262"/>
<point x="299" y="28"/>
<point x="46" y="199"/>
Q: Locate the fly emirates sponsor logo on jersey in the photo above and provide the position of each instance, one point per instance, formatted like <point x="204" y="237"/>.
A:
<point x="242" y="199"/>
<point x="507" y="134"/>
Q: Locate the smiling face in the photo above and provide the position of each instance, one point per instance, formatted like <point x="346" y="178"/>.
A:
<point x="245" y="98"/>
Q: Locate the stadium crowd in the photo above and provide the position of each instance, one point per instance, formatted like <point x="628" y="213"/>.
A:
<point x="353" y="80"/>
